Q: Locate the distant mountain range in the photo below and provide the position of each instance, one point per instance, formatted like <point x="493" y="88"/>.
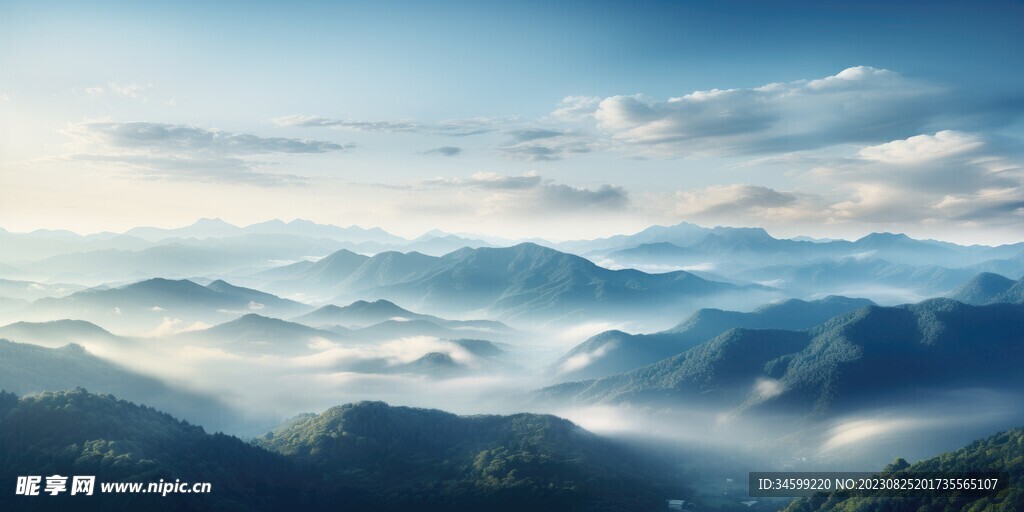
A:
<point x="364" y="456"/>
<point x="741" y="244"/>
<point x="612" y="352"/>
<point x="530" y="281"/>
<point x="209" y="246"/>
<point x="144" y="305"/>
<point x="212" y="247"/>
<point x="523" y="281"/>
<point x="873" y="355"/>
<point x="362" y="313"/>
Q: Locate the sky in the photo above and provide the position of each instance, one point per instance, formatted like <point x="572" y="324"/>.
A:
<point x="561" y="120"/>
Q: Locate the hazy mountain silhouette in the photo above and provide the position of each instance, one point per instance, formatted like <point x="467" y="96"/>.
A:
<point x="57" y="333"/>
<point x="528" y="280"/>
<point x="32" y="369"/>
<point x="255" y="334"/>
<point x="144" y="304"/>
<point x="658" y="253"/>
<point x="362" y="313"/>
<point x="860" y="275"/>
<point x="31" y="290"/>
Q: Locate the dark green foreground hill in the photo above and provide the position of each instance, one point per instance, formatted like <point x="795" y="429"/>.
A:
<point x="364" y="456"/>
<point x="428" y="458"/>
<point x="78" y="433"/>
<point x="1000" y="453"/>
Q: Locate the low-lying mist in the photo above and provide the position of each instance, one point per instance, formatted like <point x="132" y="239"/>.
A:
<point x="263" y="390"/>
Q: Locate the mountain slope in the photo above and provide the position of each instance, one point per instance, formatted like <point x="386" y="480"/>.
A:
<point x="78" y="433"/>
<point x="319" y="277"/>
<point x="1003" y="453"/>
<point x="614" y="352"/>
<point x="983" y="288"/>
<point x="32" y="369"/>
<point x="387" y="268"/>
<point x="1013" y="295"/>
<point x="873" y="355"/>
<point x="365" y="456"/>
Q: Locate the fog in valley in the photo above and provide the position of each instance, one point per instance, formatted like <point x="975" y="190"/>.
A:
<point x="742" y="360"/>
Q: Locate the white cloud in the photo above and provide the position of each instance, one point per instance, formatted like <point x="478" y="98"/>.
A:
<point x="857" y="104"/>
<point x="923" y="148"/>
<point x="582" y="360"/>
<point x="575" y="108"/>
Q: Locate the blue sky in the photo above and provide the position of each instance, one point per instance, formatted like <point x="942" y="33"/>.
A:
<point x="562" y="120"/>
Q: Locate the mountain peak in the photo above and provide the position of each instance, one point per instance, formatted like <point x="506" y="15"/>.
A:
<point x="214" y="222"/>
<point x="885" y="236"/>
<point x="983" y="288"/>
<point x="158" y="283"/>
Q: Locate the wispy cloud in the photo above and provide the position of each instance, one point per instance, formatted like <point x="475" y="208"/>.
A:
<point x="445" y="151"/>
<point x="542" y="144"/>
<point x="490" y="180"/>
<point x="367" y="126"/>
<point x="132" y="90"/>
<point x="177" y="137"/>
<point x="451" y="127"/>
<point x="532" y="194"/>
<point x="183" y="152"/>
